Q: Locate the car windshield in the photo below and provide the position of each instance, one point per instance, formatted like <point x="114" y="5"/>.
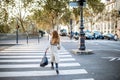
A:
<point x="97" y="32"/>
<point x="63" y="30"/>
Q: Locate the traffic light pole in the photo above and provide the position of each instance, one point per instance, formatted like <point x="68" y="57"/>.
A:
<point x="17" y="36"/>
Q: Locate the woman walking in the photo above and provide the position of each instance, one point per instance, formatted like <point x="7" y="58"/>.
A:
<point x="54" y="47"/>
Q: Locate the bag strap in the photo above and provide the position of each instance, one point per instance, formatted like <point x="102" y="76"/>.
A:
<point x="46" y="51"/>
<point x="45" y="54"/>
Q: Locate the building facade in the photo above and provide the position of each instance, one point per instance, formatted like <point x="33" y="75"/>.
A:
<point x="109" y="20"/>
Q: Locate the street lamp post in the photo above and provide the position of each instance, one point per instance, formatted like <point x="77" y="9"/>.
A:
<point x="82" y="34"/>
<point x="71" y="29"/>
<point x="17" y="27"/>
<point x="82" y="48"/>
<point x="17" y="33"/>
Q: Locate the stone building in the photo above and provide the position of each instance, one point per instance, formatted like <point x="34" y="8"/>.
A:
<point x="109" y="20"/>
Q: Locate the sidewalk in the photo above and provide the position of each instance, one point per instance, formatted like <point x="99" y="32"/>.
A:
<point x="8" y="43"/>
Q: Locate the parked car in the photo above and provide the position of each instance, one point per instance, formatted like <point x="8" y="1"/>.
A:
<point x="63" y="32"/>
<point x="76" y="35"/>
<point x="87" y="31"/>
<point x="115" y="37"/>
<point x="109" y="36"/>
<point x="98" y="35"/>
<point x="88" y="34"/>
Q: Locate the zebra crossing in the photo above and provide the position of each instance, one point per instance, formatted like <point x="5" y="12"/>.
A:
<point x="23" y="61"/>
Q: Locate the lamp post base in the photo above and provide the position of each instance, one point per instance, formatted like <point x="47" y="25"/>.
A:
<point x="87" y="51"/>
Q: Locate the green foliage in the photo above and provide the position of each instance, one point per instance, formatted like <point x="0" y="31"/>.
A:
<point x="4" y="15"/>
<point x="47" y="13"/>
<point x="4" y="28"/>
<point x="1" y="28"/>
<point x="57" y="6"/>
<point x="26" y="2"/>
<point x="66" y="17"/>
<point x="96" y="6"/>
<point x="50" y="13"/>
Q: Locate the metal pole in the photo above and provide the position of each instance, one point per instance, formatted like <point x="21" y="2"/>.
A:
<point x="38" y="38"/>
<point x="17" y="34"/>
<point x="27" y="37"/>
<point x="82" y="34"/>
<point x="17" y="27"/>
<point x="71" y="29"/>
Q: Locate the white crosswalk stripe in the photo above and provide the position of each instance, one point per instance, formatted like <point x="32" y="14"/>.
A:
<point x="42" y="73"/>
<point x="37" y="65"/>
<point x="84" y="79"/>
<point x="61" y="56"/>
<point x="29" y="57"/>
<point x="28" y="53"/>
<point x="34" y="60"/>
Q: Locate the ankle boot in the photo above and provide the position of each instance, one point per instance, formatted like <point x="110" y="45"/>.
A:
<point x="57" y="71"/>
<point x="52" y="67"/>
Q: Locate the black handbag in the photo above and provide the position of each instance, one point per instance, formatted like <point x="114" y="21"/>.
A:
<point x="44" y="61"/>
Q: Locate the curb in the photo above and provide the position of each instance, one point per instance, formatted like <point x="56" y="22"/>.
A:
<point x="87" y="51"/>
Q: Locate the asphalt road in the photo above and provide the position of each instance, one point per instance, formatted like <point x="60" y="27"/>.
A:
<point x="104" y="63"/>
<point x="21" y="62"/>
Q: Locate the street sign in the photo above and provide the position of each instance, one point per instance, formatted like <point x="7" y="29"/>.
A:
<point x="73" y="4"/>
<point x="76" y="3"/>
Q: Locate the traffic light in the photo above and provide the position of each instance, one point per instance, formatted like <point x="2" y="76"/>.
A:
<point x="17" y="26"/>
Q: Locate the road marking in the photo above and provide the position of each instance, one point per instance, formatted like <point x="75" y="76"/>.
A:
<point x="34" y="60"/>
<point x="29" y="53"/>
<point x="72" y="64"/>
<point x="117" y="49"/>
<point x="112" y="58"/>
<point x="23" y="51"/>
<point x="42" y="73"/>
<point x="12" y="57"/>
<point x="84" y="79"/>
<point x="118" y="58"/>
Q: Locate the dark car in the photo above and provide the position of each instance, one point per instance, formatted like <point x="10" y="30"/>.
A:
<point x="63" y="32"/>
<point x="109" y="36"/>
<point x="88" y="34"/>
<point x="98" y="35"/>
<point x="76" y="35"/>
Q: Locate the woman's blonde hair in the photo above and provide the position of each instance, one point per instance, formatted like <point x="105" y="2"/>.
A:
<point x="55" y="38"/>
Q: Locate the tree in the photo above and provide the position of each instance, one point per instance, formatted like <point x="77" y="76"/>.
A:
<point x="4" y="15"/>
<point x="22" y="9"/>
<point x="55" y="10"/>
<point x="96" y="6"/>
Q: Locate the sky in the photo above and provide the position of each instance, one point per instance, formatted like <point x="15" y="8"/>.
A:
<point x="102" y="0"/>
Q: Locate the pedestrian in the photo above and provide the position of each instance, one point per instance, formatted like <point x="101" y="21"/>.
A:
<point x="54" y="47"/>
